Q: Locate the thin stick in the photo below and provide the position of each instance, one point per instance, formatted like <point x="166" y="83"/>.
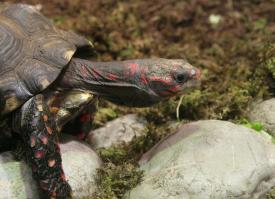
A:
<point x="178" y="108"/>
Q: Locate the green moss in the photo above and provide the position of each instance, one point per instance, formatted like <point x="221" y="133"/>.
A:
<point x="103" y="115"/>
<point x="257" y="126"/>
<point x="270" y="64"/>
<point x="270" y="58"/>
<point x="120" y="173"/>
<point x="271" y="194"/>
<point x="114" y="180"/>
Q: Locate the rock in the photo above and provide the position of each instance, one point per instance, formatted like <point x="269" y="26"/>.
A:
<point x="208" y="159"/>
<point x="117" y="131"/>
<point x="79" y="162"/>
<point x="264" y="112"/>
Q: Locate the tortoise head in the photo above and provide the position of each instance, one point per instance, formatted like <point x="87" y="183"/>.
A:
<point x="165" y="78"/>
<point x="153" y="80"/>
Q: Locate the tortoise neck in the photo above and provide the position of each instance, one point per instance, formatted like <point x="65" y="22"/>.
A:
<point x="121" y="82"/>
<point x="99" y="77"/>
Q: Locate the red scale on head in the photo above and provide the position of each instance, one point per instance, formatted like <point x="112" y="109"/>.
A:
<point x="133" y="68"/>
<point x="161" y="79"/>
<point x="165" y="93"/>
<point x="143" y="77"/>
<point x="175" y="89"/>
<point x="171" y="91"/>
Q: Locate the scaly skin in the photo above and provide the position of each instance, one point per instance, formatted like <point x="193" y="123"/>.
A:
<point x="40" y="137"/>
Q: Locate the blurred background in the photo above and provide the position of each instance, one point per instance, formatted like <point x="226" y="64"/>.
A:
<point x="231" y="41"/>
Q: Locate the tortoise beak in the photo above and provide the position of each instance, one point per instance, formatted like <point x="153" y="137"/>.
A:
<point x="196" y="73"/>
<point x="194" y="82"/>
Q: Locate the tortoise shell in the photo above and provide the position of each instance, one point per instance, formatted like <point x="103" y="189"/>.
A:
<point x="32" y="54"/>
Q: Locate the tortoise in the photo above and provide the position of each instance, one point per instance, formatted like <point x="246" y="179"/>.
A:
<point x="46" y="84"/>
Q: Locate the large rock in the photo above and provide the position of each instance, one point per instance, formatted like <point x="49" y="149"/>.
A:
<point x="115" y="132"/>
<point x="79" y="163"/>
<point x="208" y="160"/>
<point x="264" y="112"/>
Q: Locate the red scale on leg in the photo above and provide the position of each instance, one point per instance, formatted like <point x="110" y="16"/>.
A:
<point x="49" y="129"/>
<point x="45" y="118"/>
<point x="39" y="154"/>
<point x="63" y="177"/>
<point x="86" y="117"/>
<point x="51" y="162"/>
<point x="57" y="147"/>
<point x="33" y="141"/>
<point x="44" y="139"/>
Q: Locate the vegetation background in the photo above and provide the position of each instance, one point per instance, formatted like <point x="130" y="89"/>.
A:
<point x="232" y="41"/>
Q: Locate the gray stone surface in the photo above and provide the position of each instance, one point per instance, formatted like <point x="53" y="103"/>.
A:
<point x="117" y="131"/>
<point x="79" y="162"/>
<point x="264" y="112"/>
<point x="208" y="160"/>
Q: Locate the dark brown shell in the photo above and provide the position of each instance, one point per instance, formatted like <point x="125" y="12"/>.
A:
<point x="32" y="53"/>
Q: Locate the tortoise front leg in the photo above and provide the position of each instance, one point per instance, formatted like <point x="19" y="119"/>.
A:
<point x="82" y="124"/>
<point x="39" y="132"/>
<point x="74" y="111"/>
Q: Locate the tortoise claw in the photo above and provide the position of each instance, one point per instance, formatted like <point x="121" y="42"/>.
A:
<point x="57" y="189"/>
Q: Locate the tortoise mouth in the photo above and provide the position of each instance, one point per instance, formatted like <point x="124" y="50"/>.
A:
<point x="191" y="85"/>
<point x="197" y="74"/>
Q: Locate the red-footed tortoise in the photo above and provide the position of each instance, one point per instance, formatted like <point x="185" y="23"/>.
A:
<point x="44" y="85"/>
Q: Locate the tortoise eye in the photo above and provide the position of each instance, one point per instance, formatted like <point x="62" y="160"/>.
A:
<point x="181" y="78"/>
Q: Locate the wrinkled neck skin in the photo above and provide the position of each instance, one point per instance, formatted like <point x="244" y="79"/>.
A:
<point x="121" y="82"/>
